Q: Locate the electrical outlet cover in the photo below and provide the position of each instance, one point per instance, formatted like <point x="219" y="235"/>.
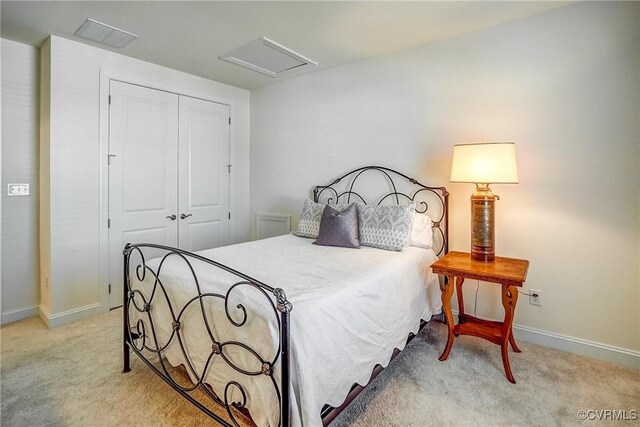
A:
<point x="535" y="300"/>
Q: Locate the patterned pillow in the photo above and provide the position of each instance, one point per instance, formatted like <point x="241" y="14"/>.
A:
<point x="386" y="226"/>
<point x="309" y="224"/>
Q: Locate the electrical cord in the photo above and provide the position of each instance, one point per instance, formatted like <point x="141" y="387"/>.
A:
<point x="475" y="305"/>
<point x="529" y="295"/>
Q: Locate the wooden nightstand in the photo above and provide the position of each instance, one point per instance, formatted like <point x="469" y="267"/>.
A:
<point x="508" y="272"/>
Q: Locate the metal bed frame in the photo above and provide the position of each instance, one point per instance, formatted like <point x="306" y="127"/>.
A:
<point x="142" y="338"/>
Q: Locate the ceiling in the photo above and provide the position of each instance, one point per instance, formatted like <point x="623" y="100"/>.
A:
<point x="190" y="36"/>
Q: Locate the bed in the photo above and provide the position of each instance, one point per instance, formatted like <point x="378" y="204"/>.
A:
<point x="281" y="331"/>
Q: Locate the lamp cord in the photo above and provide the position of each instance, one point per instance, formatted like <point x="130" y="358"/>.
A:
<point x="475" y="305"/>
<point x="529" y="295"/>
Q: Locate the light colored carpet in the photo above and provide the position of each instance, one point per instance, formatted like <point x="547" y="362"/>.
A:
<point x="71" y="377"/>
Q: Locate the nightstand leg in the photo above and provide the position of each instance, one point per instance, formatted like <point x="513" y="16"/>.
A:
<point x="512" y="341"/>
<point x="447" y="291"/>
<point x="504" y="349"/>
<point x="459" y="283"/>
<point x="509" y="301"/>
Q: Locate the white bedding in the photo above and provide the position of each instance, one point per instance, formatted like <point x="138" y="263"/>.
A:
<point x="351" y="308"/>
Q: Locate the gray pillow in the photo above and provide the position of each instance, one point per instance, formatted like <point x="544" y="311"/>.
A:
<point x="309" y="224"/>
<point x="386" y="226"/>
<point x="339" y="228"/>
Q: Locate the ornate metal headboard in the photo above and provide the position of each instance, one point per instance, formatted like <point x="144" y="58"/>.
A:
<point x="341" y="190"/>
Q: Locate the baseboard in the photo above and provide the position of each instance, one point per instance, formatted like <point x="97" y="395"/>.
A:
<point x="18" y="314"/>
<point x="605" y="352"/>
<point x="69" y="316"/>
<point x="608" y="353"/>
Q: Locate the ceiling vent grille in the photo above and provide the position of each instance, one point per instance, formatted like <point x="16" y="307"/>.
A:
<point x="268" y="57"/>
<point x="105" y="34"/>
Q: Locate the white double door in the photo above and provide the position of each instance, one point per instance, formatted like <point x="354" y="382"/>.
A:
<point x="168" y="173"/>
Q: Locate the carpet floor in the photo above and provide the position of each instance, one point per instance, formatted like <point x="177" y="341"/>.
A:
<point x="71" y="376"/>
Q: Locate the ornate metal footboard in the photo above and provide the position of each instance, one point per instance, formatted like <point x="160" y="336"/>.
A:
<point x="145" y="339"/>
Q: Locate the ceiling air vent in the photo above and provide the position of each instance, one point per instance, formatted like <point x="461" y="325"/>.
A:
<point x="105" y="34"/>
<point x="268" y="57"/>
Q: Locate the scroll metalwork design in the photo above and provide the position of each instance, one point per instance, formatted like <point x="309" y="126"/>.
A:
<point x="330" y="194"/>
<point x="145" y="339"/>
<point x="142" y="337"/>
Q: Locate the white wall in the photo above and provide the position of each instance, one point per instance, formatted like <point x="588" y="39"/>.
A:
<point x="20" y="266"/>
<point x="71" y="217"/>
<point x="564" y="85"/>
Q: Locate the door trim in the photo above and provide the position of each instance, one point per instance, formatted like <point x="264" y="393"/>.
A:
<point x="105" y="78"/>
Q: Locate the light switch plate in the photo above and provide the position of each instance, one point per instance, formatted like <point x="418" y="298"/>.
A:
<point x="18" y="189"/>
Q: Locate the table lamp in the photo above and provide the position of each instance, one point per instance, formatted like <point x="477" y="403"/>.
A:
<point x="484" y="164"/>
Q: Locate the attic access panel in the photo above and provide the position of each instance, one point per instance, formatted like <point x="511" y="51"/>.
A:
<point x="105" y="34"/>
<point x="268" y="57"/>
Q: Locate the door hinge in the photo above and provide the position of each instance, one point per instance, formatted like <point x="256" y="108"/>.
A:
<point x="109" y="99"/>
<point x="229" y="168"/>
<point x="229" y="215"/>
<point x="109" y="287"/>
<point x="108" y="223"/>
<point x="229" y="120"/>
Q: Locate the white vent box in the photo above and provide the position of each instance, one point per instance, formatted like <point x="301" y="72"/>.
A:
<point x="268" y="57"/>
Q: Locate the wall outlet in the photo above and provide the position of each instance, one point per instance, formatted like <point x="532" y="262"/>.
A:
<point x="535" y="297"/>
<point x="46" y="282"/>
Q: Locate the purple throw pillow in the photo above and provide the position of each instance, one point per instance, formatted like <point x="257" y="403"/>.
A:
<point x="339" y="228"/>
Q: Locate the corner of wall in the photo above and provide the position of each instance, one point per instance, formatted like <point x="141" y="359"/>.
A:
<point x="44" y="207"/>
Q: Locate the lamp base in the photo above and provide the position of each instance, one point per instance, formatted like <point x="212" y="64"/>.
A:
<point x="483" y="246"/>
<point x="482" y="256"/>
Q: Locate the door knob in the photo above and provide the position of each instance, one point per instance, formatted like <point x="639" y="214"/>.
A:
<point x="172" y="217"/>
<point x="183" y="216"/>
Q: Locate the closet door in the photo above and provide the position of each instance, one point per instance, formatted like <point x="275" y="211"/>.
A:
<point x="143" y="173"/>
<point x="203" y="174"/>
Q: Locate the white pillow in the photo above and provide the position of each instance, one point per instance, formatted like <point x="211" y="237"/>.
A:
<point x="421" y="231"/>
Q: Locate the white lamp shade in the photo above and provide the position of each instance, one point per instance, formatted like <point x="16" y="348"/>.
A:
<point x="485" y="163"/>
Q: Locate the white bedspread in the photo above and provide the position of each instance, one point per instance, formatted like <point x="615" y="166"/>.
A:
<point x="351" y="308"/>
